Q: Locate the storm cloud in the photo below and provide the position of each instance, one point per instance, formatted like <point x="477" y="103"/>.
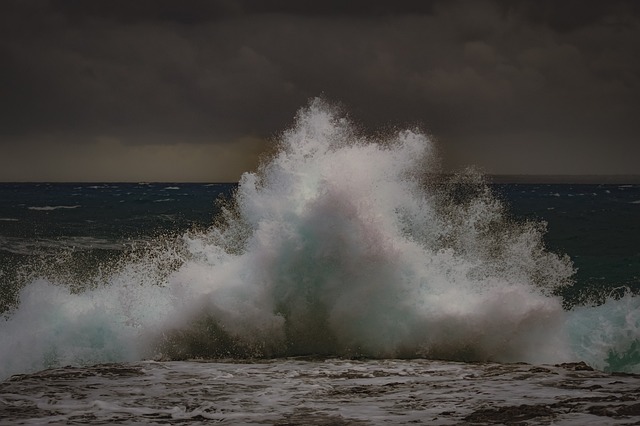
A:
<point x="194" y="90"/>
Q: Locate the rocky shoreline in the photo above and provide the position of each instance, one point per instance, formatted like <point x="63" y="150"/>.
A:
<point x="322" y="392"/>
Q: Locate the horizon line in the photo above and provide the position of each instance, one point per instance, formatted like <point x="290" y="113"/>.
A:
<point x="491" y="178"/>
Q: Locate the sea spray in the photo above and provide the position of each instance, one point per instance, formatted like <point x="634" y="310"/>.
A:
<point x="340" y="244"/>
<point x="357" y="250"/>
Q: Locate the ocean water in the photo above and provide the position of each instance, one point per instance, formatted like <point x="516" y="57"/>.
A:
<point x="341" y="246"/>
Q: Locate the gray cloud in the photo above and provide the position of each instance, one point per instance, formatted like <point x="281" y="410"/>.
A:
<point x="514" y="87"/>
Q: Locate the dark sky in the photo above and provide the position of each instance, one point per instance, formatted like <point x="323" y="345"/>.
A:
<point x="192" y="90"/>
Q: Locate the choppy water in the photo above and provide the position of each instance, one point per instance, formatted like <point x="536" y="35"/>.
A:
<point x="340" y="245"/>
<point x="321" y="392"/>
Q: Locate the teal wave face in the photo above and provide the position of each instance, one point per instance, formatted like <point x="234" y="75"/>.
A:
<point x="607" y="336"/>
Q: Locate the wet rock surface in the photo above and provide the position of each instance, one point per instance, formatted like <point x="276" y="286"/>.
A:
<point x="321" y="392"/>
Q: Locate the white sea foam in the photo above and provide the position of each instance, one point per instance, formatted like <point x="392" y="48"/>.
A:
<point x="320" y="392"/>
<point x="340" y="245"/>
<point x="49" y="208"/>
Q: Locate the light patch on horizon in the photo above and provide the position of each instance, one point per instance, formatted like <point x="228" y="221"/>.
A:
<point x="107" y="159"/>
